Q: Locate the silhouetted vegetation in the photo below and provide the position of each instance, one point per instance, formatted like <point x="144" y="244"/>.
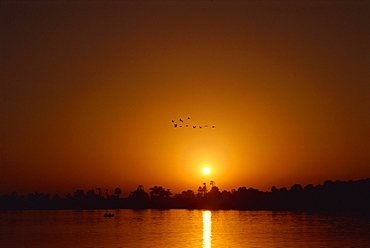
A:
<point x="351" y="196"/>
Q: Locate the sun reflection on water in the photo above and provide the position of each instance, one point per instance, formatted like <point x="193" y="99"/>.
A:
<point x="207" y="229"/>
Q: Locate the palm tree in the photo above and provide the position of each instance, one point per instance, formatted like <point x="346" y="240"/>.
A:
<point x="117" y="192"/>
<point x="139" y="193"/>
<point x="99" y="190"/>
<point x="159" y="191"/>
<point x="200" y="191"/>
<point x="154" y="191"/>
<point x="167" y="193"/>
<point x="204" y="188"/>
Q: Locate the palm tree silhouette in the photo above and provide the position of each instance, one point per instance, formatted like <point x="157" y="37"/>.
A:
<point x="117" y="192"/>
<point x="99" y="190"/>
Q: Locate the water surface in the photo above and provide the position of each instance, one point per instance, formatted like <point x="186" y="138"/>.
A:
<point x="180" y="228"/>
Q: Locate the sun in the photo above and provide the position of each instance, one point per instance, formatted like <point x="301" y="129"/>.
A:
<point x="206" y="170"/>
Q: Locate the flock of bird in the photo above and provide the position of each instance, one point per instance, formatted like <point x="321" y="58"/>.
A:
<point x="187" y="125"/>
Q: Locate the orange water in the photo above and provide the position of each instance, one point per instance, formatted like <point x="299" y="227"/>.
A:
<point x="180" y="228"/>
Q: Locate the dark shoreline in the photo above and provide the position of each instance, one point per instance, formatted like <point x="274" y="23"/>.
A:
<point x="338" y="196"/>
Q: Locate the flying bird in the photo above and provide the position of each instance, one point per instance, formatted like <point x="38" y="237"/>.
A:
<point x="188" y="118"/>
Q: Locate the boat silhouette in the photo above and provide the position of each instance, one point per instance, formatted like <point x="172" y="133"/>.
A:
<point x="108" y="215"/>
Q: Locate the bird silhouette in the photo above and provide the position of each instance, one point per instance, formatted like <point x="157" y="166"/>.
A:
<point x="188" y="118"/>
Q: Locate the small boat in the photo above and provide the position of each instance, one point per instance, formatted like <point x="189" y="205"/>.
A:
<point x="108" y="215"/>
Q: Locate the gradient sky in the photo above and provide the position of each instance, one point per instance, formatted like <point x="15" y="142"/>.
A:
<point x="89" y="89"/>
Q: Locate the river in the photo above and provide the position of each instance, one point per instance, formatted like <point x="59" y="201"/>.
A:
<point x="180" y="228"/>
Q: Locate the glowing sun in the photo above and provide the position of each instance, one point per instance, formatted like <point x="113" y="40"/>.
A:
<point x="206" y="170"/>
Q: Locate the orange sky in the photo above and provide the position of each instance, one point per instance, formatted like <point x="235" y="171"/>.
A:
<point x="89" y="89"/>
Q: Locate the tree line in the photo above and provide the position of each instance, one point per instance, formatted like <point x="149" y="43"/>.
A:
<point x="351" y="196"/>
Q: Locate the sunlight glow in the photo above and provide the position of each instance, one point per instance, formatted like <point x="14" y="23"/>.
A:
<point x="207" y="229"/>
<point x="206" y="170"/>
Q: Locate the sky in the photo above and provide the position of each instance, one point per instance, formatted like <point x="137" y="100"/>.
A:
<point x="89" y="90"/>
